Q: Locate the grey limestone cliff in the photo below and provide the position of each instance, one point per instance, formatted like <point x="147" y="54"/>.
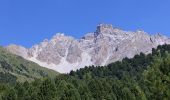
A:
<point x="108" y="44"/>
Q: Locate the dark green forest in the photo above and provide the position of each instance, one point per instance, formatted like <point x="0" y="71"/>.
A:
<point x="144" y="77"/>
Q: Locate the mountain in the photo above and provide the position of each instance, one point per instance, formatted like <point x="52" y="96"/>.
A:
<point x="107" y="44"/>
<point x="15" y="68"/>
<point x="144" y="77"/>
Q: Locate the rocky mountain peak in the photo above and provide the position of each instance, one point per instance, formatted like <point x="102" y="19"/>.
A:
<point x="102" y="27"/>
<point x="58" y="36"/>
<point x="107" y="44"/>
<point x="106" y="29"/>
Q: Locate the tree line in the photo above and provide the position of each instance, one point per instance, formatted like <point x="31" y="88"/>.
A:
<point x="144" y="77"/>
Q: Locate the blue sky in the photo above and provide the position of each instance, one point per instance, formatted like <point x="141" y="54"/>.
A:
<point x="27" y="22"/>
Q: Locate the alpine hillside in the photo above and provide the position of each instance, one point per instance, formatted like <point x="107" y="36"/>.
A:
<point x="16" y="69"/>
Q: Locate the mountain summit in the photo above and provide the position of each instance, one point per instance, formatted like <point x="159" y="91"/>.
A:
<point x="108" y="44"/>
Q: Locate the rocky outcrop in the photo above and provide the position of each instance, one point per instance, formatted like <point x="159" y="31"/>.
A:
<point x="18" y="50"/>
<point x="108" y="44"/>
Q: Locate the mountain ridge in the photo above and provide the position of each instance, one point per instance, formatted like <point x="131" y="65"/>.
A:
<point x="107" y="44"/>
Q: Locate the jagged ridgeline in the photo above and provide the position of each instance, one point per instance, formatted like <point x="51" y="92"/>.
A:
<point x="144" y="77"/>
<point x="106" y="45"/>
<point x="14" y="68"/>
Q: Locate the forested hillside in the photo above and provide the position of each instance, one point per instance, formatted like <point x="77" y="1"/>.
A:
<point x="16" y="69"/>
<point x="144" y="77"/>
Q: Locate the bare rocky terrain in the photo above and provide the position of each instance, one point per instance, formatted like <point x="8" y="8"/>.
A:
<point x="107" y="44"/>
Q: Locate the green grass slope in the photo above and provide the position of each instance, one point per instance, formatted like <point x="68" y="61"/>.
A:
<point x="14" y="68"/>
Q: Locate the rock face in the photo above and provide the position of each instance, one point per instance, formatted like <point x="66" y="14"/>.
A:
<point x="108" y="44"/>
<point x="18" y="50"/>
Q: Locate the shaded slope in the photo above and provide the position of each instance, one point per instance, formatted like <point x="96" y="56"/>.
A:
<point x="14" y="68"/>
